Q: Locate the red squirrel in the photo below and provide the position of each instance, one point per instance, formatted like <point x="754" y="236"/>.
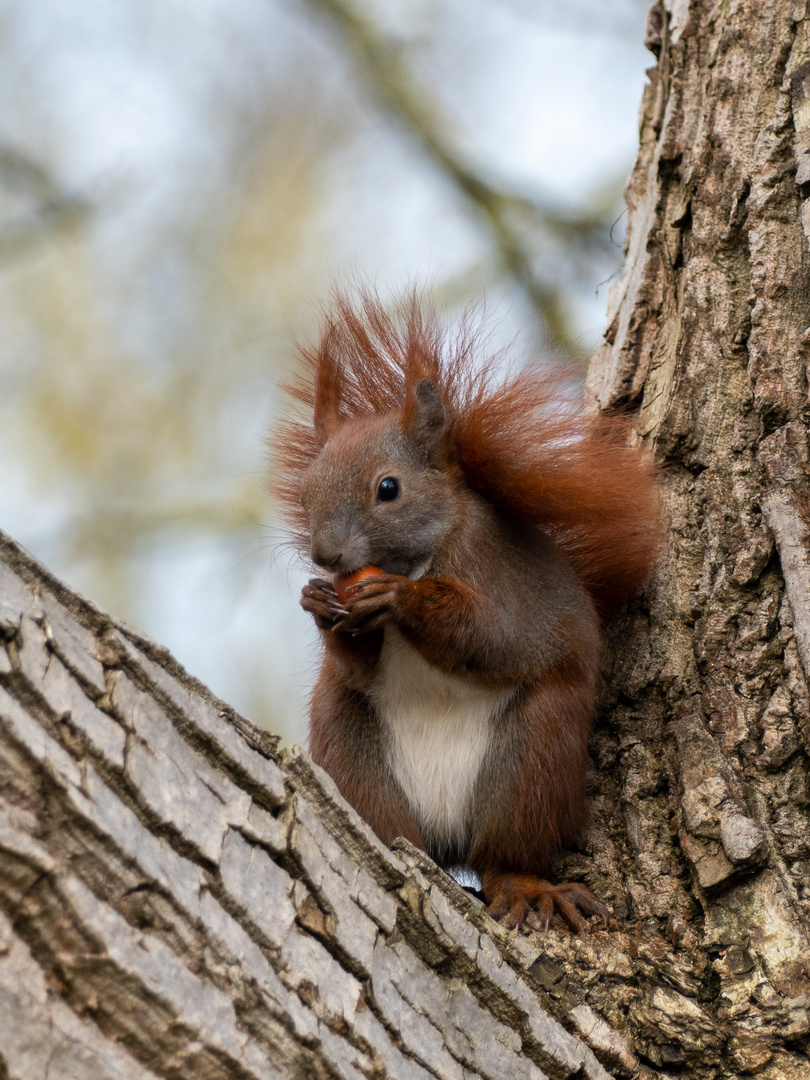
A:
<point x="505" y="525"/>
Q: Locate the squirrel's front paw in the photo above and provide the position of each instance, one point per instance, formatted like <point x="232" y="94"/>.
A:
<point x="372" y="604"/>
<point x="319" y="598"/>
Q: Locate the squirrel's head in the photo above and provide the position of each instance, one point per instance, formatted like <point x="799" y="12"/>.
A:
<point x="380" y="491"/>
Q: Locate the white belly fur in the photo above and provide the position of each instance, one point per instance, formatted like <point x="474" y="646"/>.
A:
<point x="438" y="730"/>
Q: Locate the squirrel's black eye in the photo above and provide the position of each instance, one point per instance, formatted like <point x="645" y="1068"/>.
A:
<point x="388" y="489"/>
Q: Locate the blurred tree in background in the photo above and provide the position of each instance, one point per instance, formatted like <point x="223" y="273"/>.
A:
<point x="180" y="184"/>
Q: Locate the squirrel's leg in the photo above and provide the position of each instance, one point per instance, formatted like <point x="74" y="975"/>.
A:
<point x="531" y="803"/>
<point x="345" y="740"/>
<point x="517" y="894"/>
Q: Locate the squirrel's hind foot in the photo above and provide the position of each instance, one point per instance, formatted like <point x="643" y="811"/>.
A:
<point x="516" y="895"/>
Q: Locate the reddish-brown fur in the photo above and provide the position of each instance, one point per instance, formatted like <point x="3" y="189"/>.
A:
<point x="552" y="515"/>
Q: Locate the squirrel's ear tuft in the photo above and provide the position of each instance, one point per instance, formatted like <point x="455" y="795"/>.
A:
<point x="426" y="421"/>
<point x="328" y="390"/>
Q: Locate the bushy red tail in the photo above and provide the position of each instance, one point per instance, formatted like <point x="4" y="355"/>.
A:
<point x="525" y="441"/>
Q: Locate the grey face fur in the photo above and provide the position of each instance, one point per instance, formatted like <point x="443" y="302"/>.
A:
<point x="350" y="526"/>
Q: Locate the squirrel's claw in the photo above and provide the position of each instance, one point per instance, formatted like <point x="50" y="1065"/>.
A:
<point x="516" y="894"/>
<point x="371" y="606"/>
<point x="319" y="598"/>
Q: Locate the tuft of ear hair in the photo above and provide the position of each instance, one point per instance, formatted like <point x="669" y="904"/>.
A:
<point x="327" y="388"/>
<point x="522" y="440"/>
<point x="426" y="422"/>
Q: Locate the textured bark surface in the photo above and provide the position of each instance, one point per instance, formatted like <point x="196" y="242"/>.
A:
<point x="700" y="832"/>
<point x="179" y="900"/>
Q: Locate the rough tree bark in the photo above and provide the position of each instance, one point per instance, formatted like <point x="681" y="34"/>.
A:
<point x="700" y="832"/>
<point x="177" y="899"/>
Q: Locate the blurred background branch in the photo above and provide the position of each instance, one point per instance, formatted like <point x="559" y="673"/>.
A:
<point x="515" y="221"/>
<point x="51" y="208"/>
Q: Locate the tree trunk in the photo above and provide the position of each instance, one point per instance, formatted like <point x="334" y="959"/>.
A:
<point x="179" y="900"/>
<point x="700" y="827"/>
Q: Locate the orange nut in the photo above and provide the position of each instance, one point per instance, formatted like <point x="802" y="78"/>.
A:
<point x="346" y="587"/>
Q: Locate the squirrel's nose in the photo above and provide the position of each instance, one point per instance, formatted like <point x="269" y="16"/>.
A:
<point x="333" y="545"/>
<point x="326" y="555"/>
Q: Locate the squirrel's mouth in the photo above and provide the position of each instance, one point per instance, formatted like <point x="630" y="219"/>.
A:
<point x="381" y="566"/>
